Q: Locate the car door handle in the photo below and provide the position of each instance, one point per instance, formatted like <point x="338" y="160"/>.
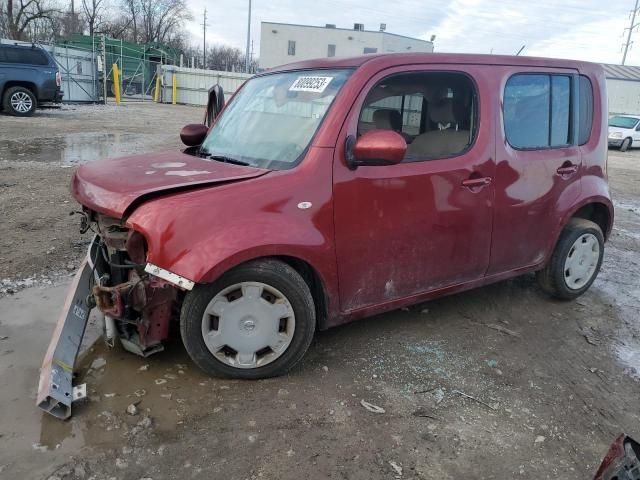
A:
<point x="476" y="182"/>
<point x="567" y="169"/>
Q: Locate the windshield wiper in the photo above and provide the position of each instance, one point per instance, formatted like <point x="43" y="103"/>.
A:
<point x="225" y="159"/>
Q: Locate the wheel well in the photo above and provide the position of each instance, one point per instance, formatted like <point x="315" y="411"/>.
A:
<point x="312" y="279"/>
<point x="18" y="83"/>
<point x="597" y="213"/>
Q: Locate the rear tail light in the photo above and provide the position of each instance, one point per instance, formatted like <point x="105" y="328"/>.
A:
<point x="58" y="79"/>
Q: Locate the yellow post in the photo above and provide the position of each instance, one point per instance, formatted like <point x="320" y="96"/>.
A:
<point x="174" y="95"/>
<point x="156" y="94"/>
<point x="116" y="83"/>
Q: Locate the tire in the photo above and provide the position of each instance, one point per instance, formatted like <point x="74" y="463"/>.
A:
<point x="626" y="144"/>
<point x="19" y="102"/>
<point x="241" y="325"/>
<point x="581" y="238"/>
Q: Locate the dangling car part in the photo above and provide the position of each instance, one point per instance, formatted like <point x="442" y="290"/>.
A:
<point x="137" y="308"/>
<point x="55" y="389"/>
<point x="622" y="461"/>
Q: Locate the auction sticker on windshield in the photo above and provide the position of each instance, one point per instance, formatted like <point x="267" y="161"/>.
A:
<point x="310" y="84"/>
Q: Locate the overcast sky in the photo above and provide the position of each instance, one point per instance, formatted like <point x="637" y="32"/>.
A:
<point x="581" y="29"/>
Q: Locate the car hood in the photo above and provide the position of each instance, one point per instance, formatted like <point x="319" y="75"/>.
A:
<point x="624" y="131"/>
<point x="112" y="186"/>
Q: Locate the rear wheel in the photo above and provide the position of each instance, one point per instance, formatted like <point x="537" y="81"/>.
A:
<point x="626" y="143"/>
<point x="256" y="321"/>
<point x="19" y="101"/>
<point x="575" y="262"/>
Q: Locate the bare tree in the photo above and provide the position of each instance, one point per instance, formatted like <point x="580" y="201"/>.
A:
<point x="226" y="58"/>
<point x="132" y="12"/>
<point x="22" y="17"/>
<point x="60" y="25"/>
<point x="93" y="13"/>
<point x="162" y="19"/>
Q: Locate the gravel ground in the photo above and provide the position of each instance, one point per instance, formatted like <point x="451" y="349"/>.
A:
<point x="498" y="382"/>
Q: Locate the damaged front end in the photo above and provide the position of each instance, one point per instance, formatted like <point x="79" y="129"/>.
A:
<point x="138" y="301"/>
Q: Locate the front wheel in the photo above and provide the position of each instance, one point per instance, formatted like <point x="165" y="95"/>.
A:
<point x="575" y="262"/>
<point x="256" y="321"/>
<point x="626" y="143"/>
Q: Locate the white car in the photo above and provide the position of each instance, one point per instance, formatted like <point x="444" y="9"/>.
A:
<point x="624" y="132"/>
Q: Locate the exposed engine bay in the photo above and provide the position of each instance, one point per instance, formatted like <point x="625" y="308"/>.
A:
<point x="137" y="306"/>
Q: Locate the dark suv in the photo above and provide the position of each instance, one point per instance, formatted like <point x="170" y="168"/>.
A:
<point x="28" y="77"/>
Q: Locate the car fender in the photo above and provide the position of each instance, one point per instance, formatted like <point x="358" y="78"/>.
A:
<point x="594" y="190"/>
<point x="201" y="234"/>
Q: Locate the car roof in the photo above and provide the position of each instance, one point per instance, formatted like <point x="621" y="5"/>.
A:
<point x="20" y="45"/>
<point x="394" y="59"/>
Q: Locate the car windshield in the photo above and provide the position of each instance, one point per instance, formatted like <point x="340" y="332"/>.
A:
<point x="272" y="119"/>
<point x="623" y="122"/>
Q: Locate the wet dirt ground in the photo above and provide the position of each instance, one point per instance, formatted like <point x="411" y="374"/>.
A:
<point x="37" y="156"/>
<point x="552" y="383"/>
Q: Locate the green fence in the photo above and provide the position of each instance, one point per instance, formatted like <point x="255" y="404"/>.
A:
<point x="138" y="63"/>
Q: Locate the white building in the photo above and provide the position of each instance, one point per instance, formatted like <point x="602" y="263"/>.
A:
<point x="282" y="43"/>
<point x="623" y="88"/>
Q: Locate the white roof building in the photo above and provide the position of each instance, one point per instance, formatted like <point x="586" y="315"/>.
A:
<point x="282" y="43"/>
<point x="623" y="89"/>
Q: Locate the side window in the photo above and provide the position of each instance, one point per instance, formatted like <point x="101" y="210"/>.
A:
<point x="331" y="50"/>
<point x="526" y="111"/>
<point x="435" y="112"/>
<point x="13" y="55"/>
<point x="291" y="47"/>
<point x="560" y="112"/>
<point x="585" y="107"/>
<point x="370" y="50"/>
<point x="24" y="55"/>
<point x="35" y="57"/>
<point x="402" y="114"/>
<point x="537" y="111"/>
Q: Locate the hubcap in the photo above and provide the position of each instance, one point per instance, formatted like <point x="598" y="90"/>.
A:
<point x="21" y="102"/>
<point x="248" y="325"/>
<point x="582" y="261"/>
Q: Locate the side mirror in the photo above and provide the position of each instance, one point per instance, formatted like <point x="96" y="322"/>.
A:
<point x="215" y="104"/>
<point x="193" y="134"/>
<point x="375" y="148"/>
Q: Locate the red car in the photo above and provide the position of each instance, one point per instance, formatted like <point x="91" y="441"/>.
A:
<point x="334" y="189"/>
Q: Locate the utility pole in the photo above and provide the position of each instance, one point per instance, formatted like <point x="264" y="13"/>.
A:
<point x="251" y="57"/>
<point x="246" y="54"/>
<point x="73" y="17"/>
<point x="204" y="40"/>
<point x="632" y="25"/>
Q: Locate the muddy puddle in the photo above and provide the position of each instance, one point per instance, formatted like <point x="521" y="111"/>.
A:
<point x="77" y="148"/>
<point x="128" y="394"/>
<point x="166" y="390"/>
<point x="622" y="294"/>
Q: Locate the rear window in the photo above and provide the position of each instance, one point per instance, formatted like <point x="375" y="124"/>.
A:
<point x="30" y="56"/>
<point x="537" y="111"/>
<point x="585" y="109"/>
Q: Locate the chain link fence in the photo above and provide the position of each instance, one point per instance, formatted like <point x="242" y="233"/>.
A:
<point x="86" y="67"/>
